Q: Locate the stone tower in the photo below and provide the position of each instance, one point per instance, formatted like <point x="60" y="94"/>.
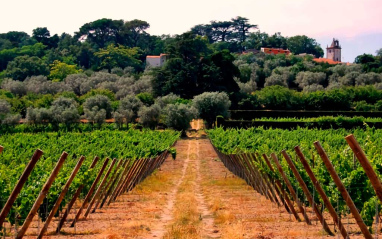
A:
<point x="334" y="51"/>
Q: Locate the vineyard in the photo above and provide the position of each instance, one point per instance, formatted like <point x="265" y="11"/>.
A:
<point x="93" y="167"/>
<point x="326" y="179"/>
<point x="312" y="167"/>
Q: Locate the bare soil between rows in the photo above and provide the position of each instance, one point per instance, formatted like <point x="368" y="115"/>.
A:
<point x="194" y="196"/>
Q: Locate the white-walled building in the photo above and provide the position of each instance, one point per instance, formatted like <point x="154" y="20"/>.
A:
<point x="156" y="61"/>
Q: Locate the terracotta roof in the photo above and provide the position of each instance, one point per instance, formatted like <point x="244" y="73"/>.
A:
<point x="325" y="60"/>
<point x="329" y="61"/>
<point x="156" y="56"/>
<point x="275" y="51"/>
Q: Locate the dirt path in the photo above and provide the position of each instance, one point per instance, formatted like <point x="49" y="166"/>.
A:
<point x="194" y="196"/>
<point x="209" y="227"/>
<point x="167" y="214"/>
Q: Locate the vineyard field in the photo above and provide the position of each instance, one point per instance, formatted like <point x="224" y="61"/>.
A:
<point x="18" y="149"/>
<point x="266" y="141"/>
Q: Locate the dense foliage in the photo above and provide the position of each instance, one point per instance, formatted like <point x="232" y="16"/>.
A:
<point x="258" y="140"/>
<point x="107" y="57"/>
<point x="303" y="73"/>
<point x="361" y="98"/>
<point x="19" y="148"/>
<point x="212" y="104"/>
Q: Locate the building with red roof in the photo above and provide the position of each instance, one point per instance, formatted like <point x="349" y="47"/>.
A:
<point x="156" y="61"/>
<point x="275" y="51"/>
<point x="333" y="54"/>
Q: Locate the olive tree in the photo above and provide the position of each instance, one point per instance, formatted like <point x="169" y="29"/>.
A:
<point x="313" y="88"/>
<point x="41" y="85"/>
<point x="14" y="86"/>
<point x="275" y="79"/>
<point x="171" y="98"/>
<point x="64" y="110"/>
<point x="286" y="73"/>
<point x="75" y="81"/>
<point x="97" y="108"/>
<point x="349" y="79"/>
<point x="127" y="110"/>
<point x="342" y="69"/>
<point x="269" y="65"/>
<point x="179" y="116"/>
<point x="212" y="104"/>
<point x="11" y="119"/>
<point x="247" y="87"/>
<point x="108" y="85"/>
<point x="117" y="71"/>
<point x="38" y="116"/>
<point x="334" y="81"/>
<point x="6" y="118"/>
<point x="370" y="78"/>
<point x="149" y="116"/>
<point x="5" y="108"/>
<point x="307" y="78"/>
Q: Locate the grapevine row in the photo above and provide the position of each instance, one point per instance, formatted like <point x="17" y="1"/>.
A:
<point x="101" y="182"/>
<point x="274" y="178"/>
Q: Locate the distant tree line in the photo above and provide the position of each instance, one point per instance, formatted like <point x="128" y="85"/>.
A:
<point x="302" y="73"/>
<point x="100" y="73"/>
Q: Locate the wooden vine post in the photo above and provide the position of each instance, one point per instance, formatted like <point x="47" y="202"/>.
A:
<point x="290" y="187"/>
<point x="61" y="197"/>
<point x="262" y="179"/>
<point x="270" y="181"/>
<point x="89" y="194"/>
<point x="322" y="193"/>
<point x="69" y="207"/>
<point x="257" y="178"/>
<point x="343" y="191"/>
<point x="153" y="166"/>
<point x="266" y="179"/>
<point x="307" y="193"/>
<point x="120" y="181"/>
<point x="289" y="204"/>
<point x="132" y="176"/>
<point x="100" y="187"/>
<point x="106" y="188"/>
<point x="249" y="177"/>
<point x="136" y="175"/>
<point x="374" y="179"/>
<point x="42" y="195"/>
<point x="126" y="179"/>
<point x="112" y="186"/>
<point x="16" y="190"/>
<point x="74" y="198"/>
<point x="238" y="170"/>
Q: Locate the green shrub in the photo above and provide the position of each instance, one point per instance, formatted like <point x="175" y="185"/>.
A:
<point x="178" y="116"/>
<point x="212" y="104"/>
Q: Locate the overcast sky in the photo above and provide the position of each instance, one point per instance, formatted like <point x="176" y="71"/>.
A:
<point x="356" y="23"/>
